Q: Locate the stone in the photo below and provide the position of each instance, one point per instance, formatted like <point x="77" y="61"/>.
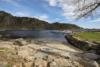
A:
<point x="91" y="56"/>
<point x="37" y="55"/>
<point x="20" y="42"/>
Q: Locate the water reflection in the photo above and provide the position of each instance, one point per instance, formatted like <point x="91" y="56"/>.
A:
<point x="36" y="34"/>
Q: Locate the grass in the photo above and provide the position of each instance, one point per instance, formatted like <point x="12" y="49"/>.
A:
<point x="88" y="36"/>
<point x="3" y="49"/>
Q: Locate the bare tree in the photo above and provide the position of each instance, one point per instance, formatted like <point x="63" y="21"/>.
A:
<point x="85" y="7"/>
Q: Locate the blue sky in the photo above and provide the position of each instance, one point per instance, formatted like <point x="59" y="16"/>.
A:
<point x="47" y="10"/>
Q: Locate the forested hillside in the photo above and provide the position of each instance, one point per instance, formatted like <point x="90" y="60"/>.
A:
<point x="8" y="21"/>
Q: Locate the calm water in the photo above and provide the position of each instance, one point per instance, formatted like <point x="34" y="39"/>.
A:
<point x="36" y="34"/>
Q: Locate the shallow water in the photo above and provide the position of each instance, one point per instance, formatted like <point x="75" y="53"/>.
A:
<point x="52" y="35"/>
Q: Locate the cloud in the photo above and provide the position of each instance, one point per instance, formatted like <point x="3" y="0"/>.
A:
<point x="52" y="2"/>
<point x="42" y="17"/>
<point x="65" y="5"/>
<point x="69" y="7"/>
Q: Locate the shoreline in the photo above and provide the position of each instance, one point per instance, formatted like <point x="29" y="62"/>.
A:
<point x="32" y="53"/>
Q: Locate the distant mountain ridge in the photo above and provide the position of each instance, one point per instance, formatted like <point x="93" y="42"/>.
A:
<point x="8" y="21"/>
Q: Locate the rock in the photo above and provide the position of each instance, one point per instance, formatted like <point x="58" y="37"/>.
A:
<point x="3" y="64"/>
<point x="77" y="42"/>
<point x="17" y="65"/>
<point x="27" y="64"/>
<point x="91" y="56"/>
<point x="39" y="62"/>
<point x="1" y="35"/>
<point x="83" y="45"/>
<point x="20" y="42"/>
<point x="37" y="55"/>
<point x="26" y="53"/>
<point x="52" y="64"/>
<point x="96" y="48"/>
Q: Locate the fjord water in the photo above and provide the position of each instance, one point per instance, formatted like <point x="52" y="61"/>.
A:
<point x="51" y="35"/>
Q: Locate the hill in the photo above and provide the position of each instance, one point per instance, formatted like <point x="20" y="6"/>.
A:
<point x="8" y="21"/>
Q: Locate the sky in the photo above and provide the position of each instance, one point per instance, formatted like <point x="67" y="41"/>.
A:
<point x="49" y="10"/>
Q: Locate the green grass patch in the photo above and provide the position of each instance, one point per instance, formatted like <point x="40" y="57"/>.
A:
<point x="88" y="36"/>
<point x="3" y="49"/>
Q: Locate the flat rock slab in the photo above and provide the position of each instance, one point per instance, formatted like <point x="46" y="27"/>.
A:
<point x="45" y="54"/>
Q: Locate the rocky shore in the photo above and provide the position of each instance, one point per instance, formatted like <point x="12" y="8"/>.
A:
<point x="83" y="44"/>
<point x="35" y="53"/>
<point x="86" y="46"/>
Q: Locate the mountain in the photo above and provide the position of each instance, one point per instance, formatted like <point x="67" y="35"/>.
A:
<point x="8" y="21"/>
